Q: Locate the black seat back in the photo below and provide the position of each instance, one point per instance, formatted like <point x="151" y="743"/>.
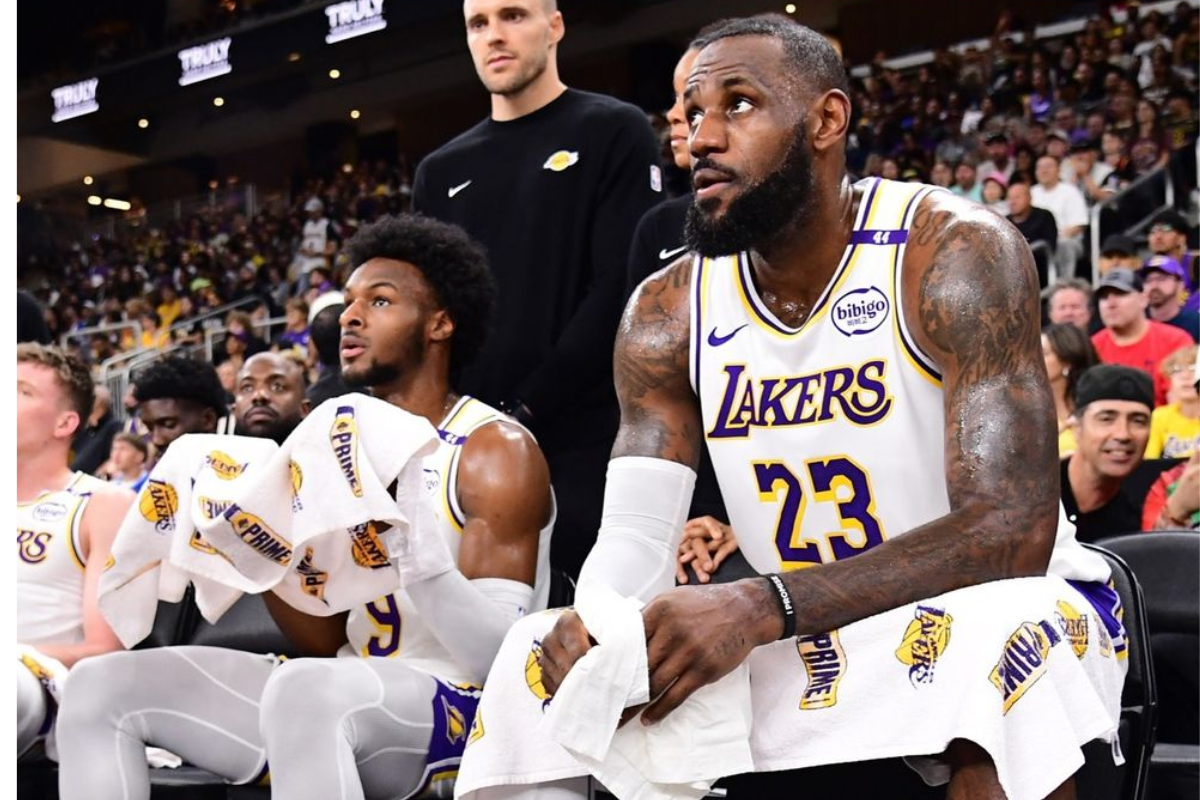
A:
<point x="1100" y="778"/>
<point x="1167" y="564"/>
<point x="246" y="626"/>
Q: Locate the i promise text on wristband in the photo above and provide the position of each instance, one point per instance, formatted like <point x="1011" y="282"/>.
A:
<point x="785" y="605"/>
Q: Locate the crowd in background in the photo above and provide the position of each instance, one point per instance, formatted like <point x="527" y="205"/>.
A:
<point x="1037" y="130"/>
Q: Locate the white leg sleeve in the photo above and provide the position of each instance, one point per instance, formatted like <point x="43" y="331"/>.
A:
<point x="347" y="728"/>
<point x="32" y="707"/>
<point x="201" y="703"/>
<point x="645" y="507"/>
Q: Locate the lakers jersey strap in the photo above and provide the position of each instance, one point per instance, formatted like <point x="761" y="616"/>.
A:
<point x="466" y="417"/>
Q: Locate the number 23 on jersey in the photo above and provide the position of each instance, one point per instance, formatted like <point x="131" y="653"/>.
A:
<point x="836" y="479"/>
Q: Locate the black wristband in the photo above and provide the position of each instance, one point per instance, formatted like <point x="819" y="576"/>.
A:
<point x="785" y="604"/>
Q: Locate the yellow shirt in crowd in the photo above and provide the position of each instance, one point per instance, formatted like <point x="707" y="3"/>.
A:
<point x="1172" y="435"/>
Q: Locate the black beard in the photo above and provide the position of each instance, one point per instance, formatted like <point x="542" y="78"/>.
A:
<point x="375" y="375"/>
<point x="760" y="212"/>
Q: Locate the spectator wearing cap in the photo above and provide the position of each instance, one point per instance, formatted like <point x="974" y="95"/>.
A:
<point x="995" y="189"/>
<point x="1129" y="337"/>
<point x="966" y="182"/>
<point x="1070" y="303"/>
<point x="1101" y="483"/>
<point x="1167" y="236"/>
<point x="1118" y="252"/>
<point x="1164" y="280"/>
<point x="998" y="159"/>
<point x="1069" y="208"/>
<point x="318" y="244"/>
<point x="1035" y="224"/>
<point x="1175" y="427"/>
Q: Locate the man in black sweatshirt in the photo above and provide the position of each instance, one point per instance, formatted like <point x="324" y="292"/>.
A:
<point x="552" y="183"/>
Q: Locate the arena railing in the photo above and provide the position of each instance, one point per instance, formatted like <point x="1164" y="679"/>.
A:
<point x="108" y="327"/>
<point x="1135" y="191"/>
<point x="211" y="334"/>
<point x="115" y="372"/>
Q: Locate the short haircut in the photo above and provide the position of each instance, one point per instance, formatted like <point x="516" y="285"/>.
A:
<point x="452" y="263"/>
<point x="297" y="304"/>
<point x="1078" y="284"/>
<point x="175" y="378"/>
<point x="325" y="334"/>
<point x="134" y="441"/>
<point x="71" y="373"/>
<point x="810" y="53"/>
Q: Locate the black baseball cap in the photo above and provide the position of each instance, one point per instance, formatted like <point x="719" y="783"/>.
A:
<point x="1121" y="279"/>
<point x="1171" y="218"/>
<point x="1118" y="245"/>
<point x="1114" y="382"/>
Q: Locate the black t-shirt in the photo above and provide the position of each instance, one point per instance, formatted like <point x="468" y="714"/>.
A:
<point x="554" y="197"/>
<point x="1121" y="514"/>
<point x="658" y="240"/>
<point x="1039" y="226"/>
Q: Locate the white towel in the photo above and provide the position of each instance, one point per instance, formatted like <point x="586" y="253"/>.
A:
<point x="312" y="520"/>
<point x="707" y="737"/>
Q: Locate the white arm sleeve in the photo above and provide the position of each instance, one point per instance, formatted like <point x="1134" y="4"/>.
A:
<point x="470" y="618"/>
<point x="646" y="502"/>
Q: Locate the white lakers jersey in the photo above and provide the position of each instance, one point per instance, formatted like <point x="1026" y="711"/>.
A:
<point x="827" y="439"/>
<point x="50" y="564"/>
<point x="391" y="627"/>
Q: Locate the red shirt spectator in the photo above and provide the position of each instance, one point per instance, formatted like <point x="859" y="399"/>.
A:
<point x="1128" y="337"/>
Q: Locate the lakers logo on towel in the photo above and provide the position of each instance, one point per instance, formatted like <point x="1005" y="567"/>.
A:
<point x="223" y="465"/>
<point x="365" y="546"/>
<point x="533" y="674"/>
<point x="1023" y="661"/>
<point x="256" y="533"/>
<point x="1074" y="627"/>
<point x="297" y="476"/>
<point x="158" y="504"/>
<point x="344" y="438"/>
<point x="312" y="580"/>
<point x="925" y="639"/>
<point x="456" y="723"/>
<point x="825" y="662"/>
<point x="39" y="670"/>
<point x="210" y="508"/>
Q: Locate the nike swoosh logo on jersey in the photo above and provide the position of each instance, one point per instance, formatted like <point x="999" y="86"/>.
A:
<point x="716" y="341"/>
<point x="664" y="254"/>
<point x="456" y="189"/>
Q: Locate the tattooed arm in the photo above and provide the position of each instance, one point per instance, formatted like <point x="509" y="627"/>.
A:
<point x="970" y="298"/>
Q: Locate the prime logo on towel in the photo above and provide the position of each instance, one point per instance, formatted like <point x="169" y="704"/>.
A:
<point x="825" y="662"/>
<point x="1023" y="661"/>
<point x="925" y="639"/>
<point x="312" y="580"/>
<point x="256" y="533"/>
<point x="344" y="438"/>
<point x="158" y="504"/>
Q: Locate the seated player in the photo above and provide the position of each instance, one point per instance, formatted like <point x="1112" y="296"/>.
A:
<point x="393" y="713"/>
<point x="66" y="523"/>
<point x="863" y="362"/>
<point x="176" y="396"/>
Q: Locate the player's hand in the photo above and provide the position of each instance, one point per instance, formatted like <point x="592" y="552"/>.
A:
<point x="696" y="635"/>
<point x="566" y="643"/>
<point x="706" y="543"/>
